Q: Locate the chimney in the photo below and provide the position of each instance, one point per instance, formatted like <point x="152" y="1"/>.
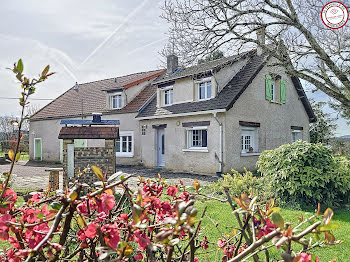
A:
<point x="172" y="63"/>
<point x="260" y="35"/>
<point x="96" y="117"/>
<point x="76" y="86"/>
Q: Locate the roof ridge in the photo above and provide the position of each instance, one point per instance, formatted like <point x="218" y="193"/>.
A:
<point x="120" y="76"/>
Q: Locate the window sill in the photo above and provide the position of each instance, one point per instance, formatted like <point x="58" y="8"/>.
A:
<point x="275" y="102"/>
<point x="250" y="154"/>
<point x="204" y="99"/>
<point x="124" y="154"/>
<point x="201" y="150"/>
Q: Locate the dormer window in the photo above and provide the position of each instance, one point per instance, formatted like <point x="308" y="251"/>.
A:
<point x="116" y="101"/>
<point x="168" y="96"/>
<point x="204" y="89"/>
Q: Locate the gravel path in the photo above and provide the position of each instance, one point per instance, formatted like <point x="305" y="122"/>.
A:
<point x="30" y="174"/>
<point x="33" y="175"/>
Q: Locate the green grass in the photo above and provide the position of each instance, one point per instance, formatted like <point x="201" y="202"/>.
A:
<point x="221" y="212"/>
<point x="24" y="155"/>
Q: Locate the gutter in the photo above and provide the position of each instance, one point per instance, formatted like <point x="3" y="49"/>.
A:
<point x="221" y="145"/>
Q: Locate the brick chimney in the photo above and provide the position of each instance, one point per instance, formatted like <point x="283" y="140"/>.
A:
<point x="260" y="35"/>
<point x="172" y="62"/>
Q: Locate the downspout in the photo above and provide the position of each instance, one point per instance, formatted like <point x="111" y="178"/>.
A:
<point x="221" y="145"/>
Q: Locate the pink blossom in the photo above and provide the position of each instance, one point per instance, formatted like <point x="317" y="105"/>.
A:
<point x="124" y="217"/>
<point x="36" y="198"/>
<point x="91" y="230"/>
<point x="221" y="243"/>
<point x="172" y="191"/>
<point x="10" y="197"/>
<point x="105" y="203"/>
<point x="112" y="237"/>
<point x="4" y="228"/>
<point x="141" y="239"/>
<point x="184" y="196"/>
<point x="305" y="257"/>
<point x="101" y="216"/>
<point x="138" y="256"/>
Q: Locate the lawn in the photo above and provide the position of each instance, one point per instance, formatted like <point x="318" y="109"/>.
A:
<point x="222" y="213"/>
<point x="24" y="155"/>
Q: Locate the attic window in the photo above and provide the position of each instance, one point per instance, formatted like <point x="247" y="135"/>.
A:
<point x="116" y="101"/>
<point x="204" y="88"/>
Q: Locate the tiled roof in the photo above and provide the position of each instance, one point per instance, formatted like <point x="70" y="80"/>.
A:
<point x="89" y="132"/>
<point x="202" y="67"/>
<point x="228" y="96"/>
<point x="224" y="100"/>
<point x="137" y="102"/>
<point x="91" y="97"/>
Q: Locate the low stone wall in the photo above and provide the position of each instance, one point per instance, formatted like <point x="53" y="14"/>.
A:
<point x="103" y="157"/>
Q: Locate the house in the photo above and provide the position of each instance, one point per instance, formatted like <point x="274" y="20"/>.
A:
<point x="206" y="118"/>
<point x="117" y="98"/>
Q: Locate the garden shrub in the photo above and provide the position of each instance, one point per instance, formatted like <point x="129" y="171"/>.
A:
<point x="306" y="173"/>
<point x="242" y="183"/>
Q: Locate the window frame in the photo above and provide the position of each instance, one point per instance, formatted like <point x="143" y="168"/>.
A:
<point x="254" y="142"/>
<point x="300" y="132"/>
<point x="163" y="91"/>
<point x="121" y="100"/>
<point x="205" y="82"/>
<point x="125" y="134"/>
<point x="189" y="138"/>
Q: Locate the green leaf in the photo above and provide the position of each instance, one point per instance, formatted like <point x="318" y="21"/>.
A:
<point x="328" y="227"/>
<point x="97" y="172"/>
<point x="46" y="70"/>
<point x="20" y="66"/>
<point x="277" y="219"/>
<point x="18" y="156"/>
<point x="55" y="205"/>
<point x="11" y="154"/>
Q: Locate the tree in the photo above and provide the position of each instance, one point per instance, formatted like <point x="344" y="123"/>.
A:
<point x="305" y="47"/>
<point x="323" y="130"/>
<point x="217" y="54"/>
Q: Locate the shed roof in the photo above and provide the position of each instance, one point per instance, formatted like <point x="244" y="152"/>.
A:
<point x="89" y="132"/>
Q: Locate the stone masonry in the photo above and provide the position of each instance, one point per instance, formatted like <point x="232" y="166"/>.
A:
<point x="103" y="157"/>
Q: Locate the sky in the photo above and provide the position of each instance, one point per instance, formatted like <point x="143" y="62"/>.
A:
<point x="82" y="40"/>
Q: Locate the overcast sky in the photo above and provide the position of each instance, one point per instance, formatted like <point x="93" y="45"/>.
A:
<point x="82" y="40"/>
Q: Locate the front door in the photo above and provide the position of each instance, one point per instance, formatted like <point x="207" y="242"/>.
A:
<point x="70" y="160"/>
<point x="37" y="149"/>
<point x="160" y="147"/>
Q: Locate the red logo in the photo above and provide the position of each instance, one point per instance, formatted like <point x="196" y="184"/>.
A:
<point x="334" y="15"/>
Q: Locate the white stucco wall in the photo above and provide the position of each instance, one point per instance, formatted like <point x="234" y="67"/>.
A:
<point x="48" y="131"/>
<point x="275" y="120"/>
<point x="175" y="142"/>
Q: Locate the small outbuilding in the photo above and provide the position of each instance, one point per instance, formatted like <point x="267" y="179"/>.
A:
<point x="87" y="143"/>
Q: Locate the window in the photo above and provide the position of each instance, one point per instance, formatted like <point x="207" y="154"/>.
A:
<point x="124" y="146"/>
<point x="168" y="96"/>
<point x="116" y="101"/>
<point x="297" y="135"/>
<point x="273" y="90"/>
<point x="204" y="90"/>
<point x="248" y="140"/>
<point x="143" y="129"/>
<point x="197" y="138"/>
